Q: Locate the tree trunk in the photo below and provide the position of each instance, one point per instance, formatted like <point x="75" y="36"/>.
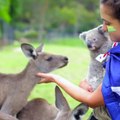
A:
<point x="7" y="33"/>
<point x="42" y="20"/>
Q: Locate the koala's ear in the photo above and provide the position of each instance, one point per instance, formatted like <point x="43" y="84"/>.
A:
<point x="82" y="35"/>
<point x="100" y="30"/>
<point x="28" y="50"/>
<point x="80" y="110"/>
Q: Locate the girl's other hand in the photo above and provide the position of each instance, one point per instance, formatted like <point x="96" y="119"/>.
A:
<point x="85" y="85"/>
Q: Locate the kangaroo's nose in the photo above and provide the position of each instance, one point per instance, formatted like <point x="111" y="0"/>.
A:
<point x="65" y="58"/>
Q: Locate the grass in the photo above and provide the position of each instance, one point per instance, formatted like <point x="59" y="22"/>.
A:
<point x="13" y="61"/>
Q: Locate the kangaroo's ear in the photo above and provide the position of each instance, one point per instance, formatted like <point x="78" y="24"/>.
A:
<point x="40" y="48"/>
<point x="28" y="50"/>
<point x="61" y="102"/>
<point x="80" y="110"/>
<point x="82" y="35"/>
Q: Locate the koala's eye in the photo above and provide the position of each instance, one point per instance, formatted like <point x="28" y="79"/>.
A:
<point x="49" y="59"/>
<point x="94" y="39"/>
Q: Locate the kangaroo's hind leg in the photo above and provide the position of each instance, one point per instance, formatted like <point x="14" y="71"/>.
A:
<point x="4" y="116"/>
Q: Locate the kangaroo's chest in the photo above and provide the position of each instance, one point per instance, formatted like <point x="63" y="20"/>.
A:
<point x="14" y="94"/>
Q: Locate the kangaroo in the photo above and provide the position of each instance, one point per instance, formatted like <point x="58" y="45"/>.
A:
<point x="40" y="109"/>
<point x="15" y="88"/>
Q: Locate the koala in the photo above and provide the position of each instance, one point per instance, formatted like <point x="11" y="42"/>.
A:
<point x="98" y="42"/>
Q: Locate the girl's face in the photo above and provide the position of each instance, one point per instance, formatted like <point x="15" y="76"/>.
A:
<point x="109" y="20"/>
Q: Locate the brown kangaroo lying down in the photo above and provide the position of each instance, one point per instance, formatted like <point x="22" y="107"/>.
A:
<point x="40" y="109"/>
<point x="15" y="88"/>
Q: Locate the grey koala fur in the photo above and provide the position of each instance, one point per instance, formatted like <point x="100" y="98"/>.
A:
<point x="98" y="42"/>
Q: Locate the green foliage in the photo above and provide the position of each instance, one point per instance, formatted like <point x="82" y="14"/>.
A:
<point x="86" y="19"/>
<point x="4" y="10"/>
<point x="9" y="9"/>
<point x="67" y="15"/>
<point x="61" y="16"/>
<point x="74" y="15"/>
<point x="90" y="5"/>
<point x="30" y="34"/>
<point x="15" y="9"/>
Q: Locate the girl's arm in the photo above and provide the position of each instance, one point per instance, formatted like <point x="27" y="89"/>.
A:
<point x="93" y="99"/>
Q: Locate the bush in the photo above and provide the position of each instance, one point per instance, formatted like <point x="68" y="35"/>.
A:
<point x="30" y="34"/>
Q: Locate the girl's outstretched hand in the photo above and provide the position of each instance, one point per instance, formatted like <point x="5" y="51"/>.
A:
<point x="47" y="77"/>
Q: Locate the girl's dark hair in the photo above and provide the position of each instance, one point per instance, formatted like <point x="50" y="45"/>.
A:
<point x="114" y="5"/>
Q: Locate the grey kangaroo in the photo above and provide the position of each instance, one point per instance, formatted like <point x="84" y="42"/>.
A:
<point x="40" y="109"/>
<point x="15" y="88"/>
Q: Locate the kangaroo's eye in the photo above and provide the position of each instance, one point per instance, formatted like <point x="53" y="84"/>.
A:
<point x="49" y="59"/>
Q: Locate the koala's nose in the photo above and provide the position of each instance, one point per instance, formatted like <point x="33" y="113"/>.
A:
<point x="89" y="44"/>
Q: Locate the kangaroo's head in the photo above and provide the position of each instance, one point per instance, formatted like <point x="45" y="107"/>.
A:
<point x="44" y="62"/>
<point x="65" y="113"/>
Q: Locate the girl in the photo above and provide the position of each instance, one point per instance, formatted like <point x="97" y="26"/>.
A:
<point x="108" y="93"/>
